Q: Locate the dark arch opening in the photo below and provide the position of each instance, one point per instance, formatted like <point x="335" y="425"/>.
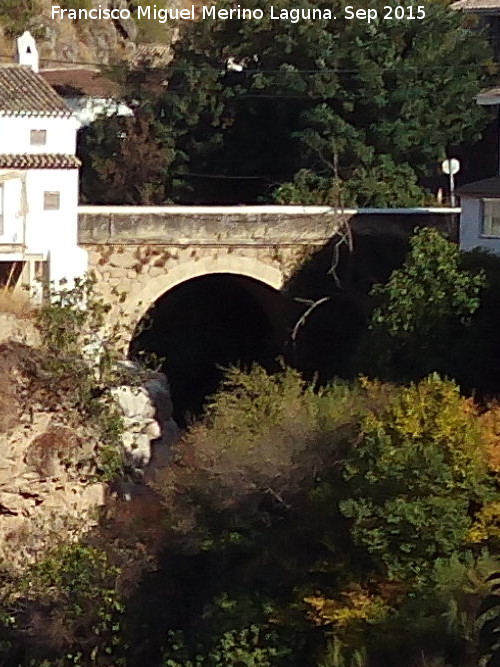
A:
<point x="209" y="323"/>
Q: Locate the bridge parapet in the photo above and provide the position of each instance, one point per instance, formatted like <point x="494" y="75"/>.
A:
<point x="246" y="225"/>
<point x="147" y="251"/>
<point x="253" y="225"/>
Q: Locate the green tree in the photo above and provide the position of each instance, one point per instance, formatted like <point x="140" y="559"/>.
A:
<point x="488" y="615"/>
<point x="415" y="472"/>
<point x="347" y="102"/>
<point x="421" y="313"/>
<point x="126" y="160"/>
<point x="325" y="513"/>
<point x="73" y="588"/>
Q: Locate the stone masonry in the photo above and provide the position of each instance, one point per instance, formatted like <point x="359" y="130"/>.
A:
<point x="143" y="252"/>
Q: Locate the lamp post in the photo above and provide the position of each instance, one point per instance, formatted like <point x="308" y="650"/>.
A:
<point x="451" y="166"/>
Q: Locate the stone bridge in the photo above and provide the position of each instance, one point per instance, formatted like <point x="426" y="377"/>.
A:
<point x="147" y="251"/>
<point x="211" y="279"/>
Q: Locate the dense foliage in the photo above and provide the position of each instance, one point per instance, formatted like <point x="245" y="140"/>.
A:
<point x="297" y="527"/>
<point x="317" y="111"/>
<point x="127" y="160"/>
<point x="438" y="312"/>
<point x="422" y="309"/>
<point x="17" y="15"/>
<point x="78" y="362"/>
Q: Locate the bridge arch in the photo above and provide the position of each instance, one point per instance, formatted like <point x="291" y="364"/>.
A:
<point x="137" y="304"/>
<point x="200" y="317"/>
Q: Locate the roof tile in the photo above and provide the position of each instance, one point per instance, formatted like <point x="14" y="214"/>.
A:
<point x="38" y="161"/>
<point x="25" y="93"/>
<point x="479" y="6"/>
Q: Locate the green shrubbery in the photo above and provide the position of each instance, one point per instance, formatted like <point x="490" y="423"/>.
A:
<point x="79" y="355"/>
<point x="16" y="16"/>
<point x="297" y="525"/>
<point x="321" y="528"/>
<point x="420" y="312"/>
<point x="69" y="602"/>
<point x="351" y="504"/>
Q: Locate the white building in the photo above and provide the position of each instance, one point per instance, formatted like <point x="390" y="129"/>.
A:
<point x="38" y="176"/>
<point x="480" y="216"/>
<point x="88" y="93"/>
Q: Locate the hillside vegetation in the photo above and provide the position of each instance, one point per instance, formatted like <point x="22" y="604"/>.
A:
<point x="296" y="526"/>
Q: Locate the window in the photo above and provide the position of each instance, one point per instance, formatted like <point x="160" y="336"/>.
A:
<point x="491" y="217"/>
<point x="38" y="137"/>
<point x="51" y="201"/>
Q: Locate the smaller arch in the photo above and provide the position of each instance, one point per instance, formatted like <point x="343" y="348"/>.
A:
<point x="137" y="305"/>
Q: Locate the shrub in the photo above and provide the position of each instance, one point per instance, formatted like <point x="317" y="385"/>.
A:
<point x="414" y="474"/>
<point x="257" y="448"/>
<point x="422" y="310"/>
<point x="79" y="363"/>
<point x="252" y="647"/>
<point x="17" y="15"/>
<point x="68" y="600"/>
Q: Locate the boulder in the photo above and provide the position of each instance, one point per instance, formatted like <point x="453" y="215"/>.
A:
<point x="149" y="430"/>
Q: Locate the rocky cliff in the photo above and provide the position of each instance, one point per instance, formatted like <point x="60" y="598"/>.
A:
<point x="50" y="486"/>
<point x="65" y="42"/>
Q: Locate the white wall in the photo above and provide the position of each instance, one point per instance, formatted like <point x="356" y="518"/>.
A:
<point x="88" y="109"/>
<point x="52" y="230"/>
<point x="471" y="226"/>
<point x="49" y="234"/>
<point x="55" y="233"/>
<point x="15" y="134"/>
<point x="13" y="219"/>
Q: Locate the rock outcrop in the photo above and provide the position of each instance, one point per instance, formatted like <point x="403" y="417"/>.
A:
<point x="146" y="407"/>
<point x="48" y="453"/>
<point x="63" y="41"/>
<point x="46" y="483"/>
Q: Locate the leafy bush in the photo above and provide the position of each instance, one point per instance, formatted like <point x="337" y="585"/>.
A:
<point x="345" y="501"/>
<point x="251" y="647"/>
<point x="79" y="360"/>
<point x="258" y="447"/>
<point x="69" y="602"/>
<point x="413" y="475"/>
<point x="421" y="312"/>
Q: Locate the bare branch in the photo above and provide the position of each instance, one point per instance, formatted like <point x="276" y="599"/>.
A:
<point x="302" y="319"/>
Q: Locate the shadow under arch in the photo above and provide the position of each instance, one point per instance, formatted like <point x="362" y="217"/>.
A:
<point x="209" y="322"/>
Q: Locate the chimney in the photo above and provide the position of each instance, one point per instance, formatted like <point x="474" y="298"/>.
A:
<point x="27" y="52"/>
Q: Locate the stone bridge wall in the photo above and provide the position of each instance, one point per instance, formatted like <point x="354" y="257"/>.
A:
<point x="146" y="251"/>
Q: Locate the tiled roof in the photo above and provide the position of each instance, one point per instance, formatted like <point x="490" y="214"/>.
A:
<point x="38" y="161"/>
<point x="479" y="6"/>
<point x="80" y="82"/>
<point x="25" y="93"/>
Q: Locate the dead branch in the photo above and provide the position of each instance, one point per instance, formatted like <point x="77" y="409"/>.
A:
<point x="302" y="319"/>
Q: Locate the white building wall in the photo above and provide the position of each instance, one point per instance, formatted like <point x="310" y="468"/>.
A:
<point x="13" y="219"/>
<point x="471" y="227"/>
<point x="51" y="230"/>
<point x="55" y="233"/>
<point x="15" y="134"/>
<point x="50" y="235"/>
